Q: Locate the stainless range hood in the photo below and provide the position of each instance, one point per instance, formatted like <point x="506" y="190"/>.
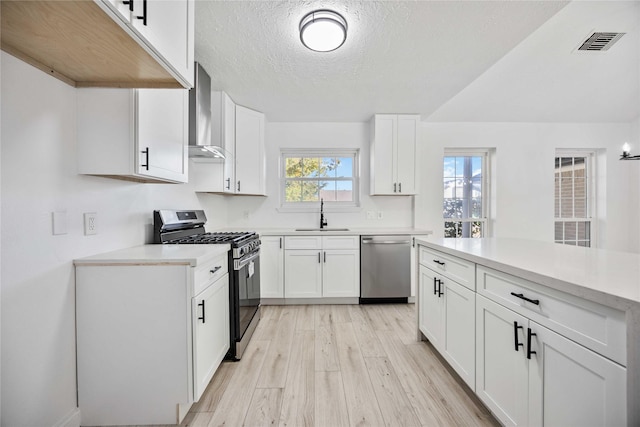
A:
<point x="200" y="118"/>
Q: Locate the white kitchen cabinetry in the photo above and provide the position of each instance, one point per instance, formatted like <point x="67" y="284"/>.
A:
<point x="104" y="43"/>
<point x="414" y="262"/>
<point x="393" y="154"/>
<point x="150" y="335"/>
<point x="272" y="267"/>
<point x="249" y="152"/>
<point x="133" y="134"/>
<point x="165" y="28"/>
<point x="447" y="319"/>
<point x="322" y="266"/>
<point x="211" y="332"/>
<point x="530" y="375"/>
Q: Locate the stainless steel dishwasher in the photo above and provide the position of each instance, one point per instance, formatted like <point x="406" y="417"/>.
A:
<point x="385" y="268"/>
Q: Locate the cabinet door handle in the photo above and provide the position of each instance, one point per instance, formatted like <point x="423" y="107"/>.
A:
<point x="521" y="296"/>
<point x="218" y="267"/>
<point x="238" y="185"/>
<point x="146" y="153"/>
<point x="281" y="243"/>
<point x="515" y="335"/>
<point x="435" y="288"/>
<point x="394" y="187"/>
<point x="437" y="261"/>
<point x="144" y="13"/>
<point x="529" y="335"/>
<point x="399" y="187"/>
<point x="201" y="305"/>
<point x="130" y="3"/>
<point x="325" y="257"/>
<point x="319" y="258"/>
<point x="440" y="283"/>
<point x="228" y="183"/>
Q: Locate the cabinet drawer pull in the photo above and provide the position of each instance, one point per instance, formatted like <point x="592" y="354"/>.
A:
<point x="437" y="261"/>
<point x="515" y="335"/>
<point x="529" y="335"/>
<point x="521" y="296"/>
<point x="201" y="304"/>
<point x="146" y="163"/>
<point x="218" y="267"/>
<point x="144" y="13"/>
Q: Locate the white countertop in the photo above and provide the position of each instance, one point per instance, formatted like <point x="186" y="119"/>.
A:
<point x="351" y="232"/>
<point x="608" y="277"/>
<point x="157" y="254"/>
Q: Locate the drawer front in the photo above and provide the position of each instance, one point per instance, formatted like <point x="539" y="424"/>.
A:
<point x="303" y="242"/>
<point x="206" y="274"/>
<point x="340" y="242"/>
<point x="454" y="268"/>
<point x="600" y="328"/>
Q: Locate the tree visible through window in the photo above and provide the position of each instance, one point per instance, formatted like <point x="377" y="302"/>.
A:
<point x="309" y="177"/>
<point x="573" y="201"/>
<point x="464" y="182"/>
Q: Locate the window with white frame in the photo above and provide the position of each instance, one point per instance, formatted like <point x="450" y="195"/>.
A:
<point x="466" y="193"/>
<point x="310" y="175"/>
<point x="574" y="197"/>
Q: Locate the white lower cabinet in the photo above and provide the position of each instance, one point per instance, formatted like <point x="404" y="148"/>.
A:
<point x="272" y="267"/>
<point x="149" y="336"/>
<point x="447" y="319"/>
<point x="211" y="332"/>
<point x="327" y="266"/>
<point x="530" y="375"/>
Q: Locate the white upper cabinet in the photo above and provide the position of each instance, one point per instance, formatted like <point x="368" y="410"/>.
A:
<point x="167" y="26"/>
<point x="105" y="43"/>
<point x="249" y="152"/>
<point x="134" y="134"/>
<point x="393" y="153"/>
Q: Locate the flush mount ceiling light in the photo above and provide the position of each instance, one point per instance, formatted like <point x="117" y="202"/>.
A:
<point x="323" y="30"/>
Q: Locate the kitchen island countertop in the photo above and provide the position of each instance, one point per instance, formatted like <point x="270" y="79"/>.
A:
<point x="193" y="255"/>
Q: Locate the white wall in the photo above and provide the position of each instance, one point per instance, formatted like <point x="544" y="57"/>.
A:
<point x="39" y="177"/>
<point x="525" y="180"/>
<point x="263" y="211"/>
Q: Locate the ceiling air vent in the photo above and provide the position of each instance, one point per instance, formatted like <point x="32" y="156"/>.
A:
<point x="600" y="41"/>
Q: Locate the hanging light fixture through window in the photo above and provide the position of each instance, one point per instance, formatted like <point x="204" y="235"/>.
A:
<point x="323" y="30"/>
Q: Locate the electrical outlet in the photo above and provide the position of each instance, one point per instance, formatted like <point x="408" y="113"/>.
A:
<point x="90" y="223"/>
<point x="371" y="215"/>
<point x="380" y="215"/>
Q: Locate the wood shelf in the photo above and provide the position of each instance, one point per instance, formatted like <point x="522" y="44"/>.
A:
<point x="80" y="44"/>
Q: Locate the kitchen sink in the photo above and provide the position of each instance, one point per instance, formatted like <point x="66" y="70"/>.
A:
<point x="322" y="229"/>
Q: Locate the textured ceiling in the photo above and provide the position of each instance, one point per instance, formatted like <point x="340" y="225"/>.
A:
<point x="399" y="57"/>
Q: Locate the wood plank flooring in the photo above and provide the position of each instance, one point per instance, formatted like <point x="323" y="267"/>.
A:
<point x="337" y="365"/>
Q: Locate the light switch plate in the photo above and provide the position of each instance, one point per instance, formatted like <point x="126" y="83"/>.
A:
<point x="380" y="215"/>
<point x="59" y="221"/>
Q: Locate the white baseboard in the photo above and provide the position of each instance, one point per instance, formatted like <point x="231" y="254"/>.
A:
<point x="72" y="419"/>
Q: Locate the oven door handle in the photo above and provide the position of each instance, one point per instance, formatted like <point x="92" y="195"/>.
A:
<point x="238" y="264"/>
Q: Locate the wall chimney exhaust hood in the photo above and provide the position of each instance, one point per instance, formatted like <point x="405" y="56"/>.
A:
<point x="200" y="118"/>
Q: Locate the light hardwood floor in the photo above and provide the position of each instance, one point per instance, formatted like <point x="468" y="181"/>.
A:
<point x="337" y="365"/>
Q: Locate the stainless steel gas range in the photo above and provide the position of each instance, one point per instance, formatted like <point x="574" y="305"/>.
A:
<point x="187" y="227"/>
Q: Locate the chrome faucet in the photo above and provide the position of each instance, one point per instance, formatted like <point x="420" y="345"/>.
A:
<point x="323" y="221"/>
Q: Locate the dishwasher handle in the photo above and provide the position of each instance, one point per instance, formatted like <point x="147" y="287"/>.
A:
<point x="366" y="241"/>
